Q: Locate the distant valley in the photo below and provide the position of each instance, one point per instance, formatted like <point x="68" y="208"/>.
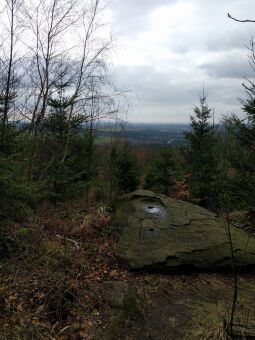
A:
<point x="143" y="133"/>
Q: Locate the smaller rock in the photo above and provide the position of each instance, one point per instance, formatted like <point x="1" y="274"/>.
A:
<point x="124" y="300"/>
<point x="121" y="295"/>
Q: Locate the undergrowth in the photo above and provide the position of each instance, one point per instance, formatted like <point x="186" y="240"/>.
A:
<point x="54" y="268"/>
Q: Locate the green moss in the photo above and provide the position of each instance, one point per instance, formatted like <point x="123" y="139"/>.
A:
<point x="22" y="232"/>
<point x="21" y="332"/>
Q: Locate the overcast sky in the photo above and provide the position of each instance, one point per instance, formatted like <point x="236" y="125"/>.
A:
<point x="168" y="48"/>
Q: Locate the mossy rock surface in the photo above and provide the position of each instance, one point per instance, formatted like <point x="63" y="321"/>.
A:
<point x="159" y="233"/>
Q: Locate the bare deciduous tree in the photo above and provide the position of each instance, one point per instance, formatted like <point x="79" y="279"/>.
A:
<point x="48" y="21"/>
<point x="9" y="59"/>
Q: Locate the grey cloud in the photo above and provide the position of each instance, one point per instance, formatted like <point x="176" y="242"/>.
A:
<point x="131" y="15"/>
<point x="228" y="41"/>
<point x="171" y="96"/>
<point x="211" y="50"/>
<point x="211" y="31"/>
<point x="231" y="65"/>
<point x="155" y="87"/>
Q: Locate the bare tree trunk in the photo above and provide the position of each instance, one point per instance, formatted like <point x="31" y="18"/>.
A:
<point x="8" y="60"/>
<point x="10" y="66"/>
<point x="234" y="272"/>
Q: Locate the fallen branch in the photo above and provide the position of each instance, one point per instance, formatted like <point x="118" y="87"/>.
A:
<point x="75" y="243"/>
<point x="243" y="331"/>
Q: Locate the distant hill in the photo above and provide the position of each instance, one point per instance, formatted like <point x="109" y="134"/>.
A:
<point x="144" y="133"/>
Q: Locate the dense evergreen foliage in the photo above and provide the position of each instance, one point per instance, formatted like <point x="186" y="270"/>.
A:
<point x="200" y="153"/>
<point x="159" y="173"/>
<point x="125" y="168"/>
<point x="242" y="154"/>
<point x="62" y="161"/>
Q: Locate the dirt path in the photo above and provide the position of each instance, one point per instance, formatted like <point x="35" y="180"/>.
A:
<point x="188" y="306"/>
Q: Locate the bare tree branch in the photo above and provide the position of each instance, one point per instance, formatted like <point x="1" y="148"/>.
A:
<point x="238" y="20"/>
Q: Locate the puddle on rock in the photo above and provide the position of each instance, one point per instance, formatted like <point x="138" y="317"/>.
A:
<point x="153" y="210"/>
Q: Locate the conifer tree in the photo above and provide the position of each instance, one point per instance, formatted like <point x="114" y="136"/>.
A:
<point x="242" y="158"/>
<point x="159" y="173"/>
<point x="200" y="155"/>
<point x="65" y="174"/>
<point x="126" y="170"/>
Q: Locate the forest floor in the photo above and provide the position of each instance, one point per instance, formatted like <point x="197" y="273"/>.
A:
<point x="52" y="285"/>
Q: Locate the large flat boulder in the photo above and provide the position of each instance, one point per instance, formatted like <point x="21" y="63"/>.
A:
<point x="161" y="233"/>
